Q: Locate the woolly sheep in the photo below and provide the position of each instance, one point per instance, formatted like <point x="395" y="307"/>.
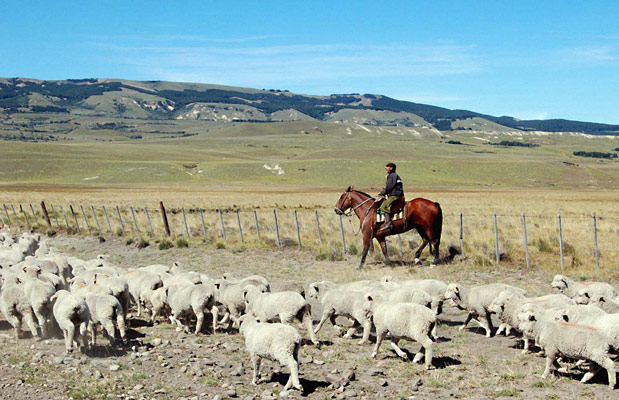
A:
<point x="434" y="287"/>
<point x="157" y="302"/>
<point x="185" y="299"/>
<point x="346" y="303"/>
<point x="570" y="287"/>
<point x="476" y="300"/>
<point x="579" y="314"/>
<point x="316" y="289"/>
<point x="16" y="309"/>
<point x="608" y="305"/>
<point x="275" y="342"/>
<point x="39" y="294"/>
<point x="585" y="294"/>
<point x="71" y="314"/>
<point x="139" y="281"/>
<point x="230" y="297"/>
<point x="570" y="340"/>
<point x="106" y="311"/>
<point x="403" y="321"/>
<point x="282" y="306"/>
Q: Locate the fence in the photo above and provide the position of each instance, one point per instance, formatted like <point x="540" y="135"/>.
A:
<point x="570" y="240"/>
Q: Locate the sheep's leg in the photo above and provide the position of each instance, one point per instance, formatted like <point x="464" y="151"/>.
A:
<point x="286" y="318"/>
<point x="200" y="320"/>
<point x="468" y="319"/>
<point x="215" y="313"/>
<point x="351" y="331"/>
<point x="29" y="319"/>
<point x="550" y="359"/>
<point x="502" y="327"/>
<point x="593" y="370"/>
<point x="487" y="326"/>
<point x="69" y="333"/>
<point x="256" y="361"/>
<point x="307" y="321"/>
<point x="120" y="323"/>
<point x="427" y="351"/>
<point x="108" y="329"/>
<point x="367" y="328"/>
<point x="16" y="323"/>
<point x="42" y="324"/>
<point x="326" y="314"/>
<point x="293" y="380"/>
<point x="93" y="334"/>
<point x="526" y="344"/>
<point x="607" y="364"/>
<point x="398" y="350"/>
<point x="380" y="336"/>
<point x="84" y="334"/>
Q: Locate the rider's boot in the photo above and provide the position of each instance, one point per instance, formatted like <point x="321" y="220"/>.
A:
<point x="388" y="225"/>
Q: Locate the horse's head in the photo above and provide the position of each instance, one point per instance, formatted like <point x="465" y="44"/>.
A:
<point x="345" y="202"/>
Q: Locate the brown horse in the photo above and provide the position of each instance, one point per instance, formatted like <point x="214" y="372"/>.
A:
<point x="421" y="214"/>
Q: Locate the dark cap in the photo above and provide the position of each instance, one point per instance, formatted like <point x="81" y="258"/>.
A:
<point x="392" y="165"/>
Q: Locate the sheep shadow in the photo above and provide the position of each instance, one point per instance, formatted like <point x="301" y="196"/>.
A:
<point x="102" y="351"/>
<point x="5" y="326"/>
<point x="309" y="385"/>
<point x="444" y="362"/>
<point x="321" y="343"/>
<point x="601" y="378"/>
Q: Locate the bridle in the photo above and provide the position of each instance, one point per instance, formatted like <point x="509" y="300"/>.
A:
<point x="348" y="212"/>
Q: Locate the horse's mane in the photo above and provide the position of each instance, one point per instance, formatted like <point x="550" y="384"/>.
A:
<point x="363" y="193"/>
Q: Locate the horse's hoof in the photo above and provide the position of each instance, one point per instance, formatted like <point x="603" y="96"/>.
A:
<point x="417" y="261"/>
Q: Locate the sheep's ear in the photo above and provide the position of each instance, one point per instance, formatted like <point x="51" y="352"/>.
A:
<point x="587" y="295"/>
<point x="217" y="285"/>
<point x="369" y="297"/>
<point x="244" y="294"/>
<point x="532" y="317"/>
<point x="95" y="279"/>
<point x="565" y="318"/>
<point x="602" y="299"/>
<point x="456" y="289"/>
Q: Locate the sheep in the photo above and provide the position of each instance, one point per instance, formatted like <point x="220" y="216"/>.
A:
<point x="254" y="280"/>
<point x="316" y="289"/>
<point x="156" y="301"/>
<point x="347" y="303"/>
<point x="185" y="299"/>
<point x="570" y="340"/>
<point x="72" y="315"/>
<point x="138" y="281"/>
<point x="585" y="294"/>
<point x="476" y="300"/>
<point x="16" y="309"/>
<point x="230" y="297"/>
<point x="39" y="294"/>
<point x="608" y="305"/>
<point x="285" y="306"/>
<point x="275" y="342"/>
<point x="434" y="287"/>
<point x="156" y="268"/>
<point x="570" y="287"/>
<point x="403" y="321"/>
<point x="105" y="310"/>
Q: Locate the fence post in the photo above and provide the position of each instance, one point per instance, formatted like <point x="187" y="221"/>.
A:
<point x="2" y="224"/>
<point x="595" y="242"/>
<point x="77" y="224"/>
<point x="86" y="220"/>
<point x="318" y="227"/>
<point x="221" y="220"/>
<point x="496" y="239"/>
<point x="94" y="214"/>
<point x="165" y="218"/>
<point x="34" y="216"/>
<point x="400" y="244"/>
<point x="561" y="244"/>
<point x="15" y="215"/>
<point x="25" y="215"/>
<point x="296" y="220"/>
<point x="257" y="226"/>
<point x="461" y="237"/>
<point x="135" y="221"/>
<point x="150" y="224"/>
<point x="45" y="214"/>
<point x="203" y="225"/>
<point x="185" y="221"/>
<point x="107" y="218"/>
<point x="120" y="219"/>
<point x="279" y="243"/>
<point x="526" y="241"/>
<point x="238" y="220"/>
<point x="55" y="216"/>
<point x="66" y="220"/>
<point x="6" y="211"/>
<point x="342" y="230"/>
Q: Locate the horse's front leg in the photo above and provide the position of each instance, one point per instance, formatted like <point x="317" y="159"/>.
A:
<point x="383" y="246"/>
<point x="367" y="241"/>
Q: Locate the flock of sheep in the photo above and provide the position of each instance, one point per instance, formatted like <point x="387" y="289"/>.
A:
<point x="42" y="288"/>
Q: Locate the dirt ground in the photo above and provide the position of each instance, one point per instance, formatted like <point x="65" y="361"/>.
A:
<point x="161" y="363"/>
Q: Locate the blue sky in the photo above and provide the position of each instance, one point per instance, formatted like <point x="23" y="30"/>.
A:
<point x="527" y="59"/>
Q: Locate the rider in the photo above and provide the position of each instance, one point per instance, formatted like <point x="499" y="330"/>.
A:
<point x="393" y="191"/>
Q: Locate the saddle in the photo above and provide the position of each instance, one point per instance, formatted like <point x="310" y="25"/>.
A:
<point x="397" y="211"/>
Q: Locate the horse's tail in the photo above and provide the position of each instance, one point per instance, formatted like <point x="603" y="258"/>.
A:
<point x="437" y="224"/>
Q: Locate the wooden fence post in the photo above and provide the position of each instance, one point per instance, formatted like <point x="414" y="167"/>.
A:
<point x="2" y="223"/>
<point x="6" y="211"/>
<point x="296" y="219"/>
<point x="94" y="214"/>
<point x="77" y="224"/>
<point x="25" y="215"/>
<point x="45" y="214"/>
<point x="120" y="219"/>
<point x="526" y="241"/>
<point x="15" y="215"/>
<point x="185" y="221"/>
<point x="238" y="220"/>
<point x="135" y="221"/>
<point x="150" y="224"/>
<point x="66" y="220"/>
<point x="561" y="244"/>
<point x="496" y="239"/>
<point x="223" y="227"/>
<point x="203" y="225"/>
<point x="279" y="243"/>
<point x="595" y="242"/>
<point x="400" y="245"/>
<point x="342" y="230"/>
<point x="34" y="216"/>
<point x="318" y="227"/>
<point x="55" y="216"/>
<point x="107" y="218"/>
<point x="257" y="226"/>
<point x="165" y="218"/>
<point x="86" y="220"/>
<point x="461" y="237"/>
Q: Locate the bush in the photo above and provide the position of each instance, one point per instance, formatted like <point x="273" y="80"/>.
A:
<point x="220" y="245"/>
<point x="128" y="241"/>
<point x="165" y="244"/>
<point x="352" y="249"/>
<point x="181" y="243"/>
<point x="101" y="239"/>
<point x="328" y="253"/>
<point x="543" y="245"/>
<point x="119" y="231"/>
<point x="142" y="243"/>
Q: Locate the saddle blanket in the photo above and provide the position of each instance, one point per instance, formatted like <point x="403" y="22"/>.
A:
<point x="394" y="217"/>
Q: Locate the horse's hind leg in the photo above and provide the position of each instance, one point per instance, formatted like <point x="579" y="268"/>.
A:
<point x="383" y="246"/>
<point x="435" y="244"/>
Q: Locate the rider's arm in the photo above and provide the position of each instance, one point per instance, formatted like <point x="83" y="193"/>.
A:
<point x="391" y="181"/>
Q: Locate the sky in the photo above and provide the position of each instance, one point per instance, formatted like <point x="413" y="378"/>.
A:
<point x="526" y="59"/>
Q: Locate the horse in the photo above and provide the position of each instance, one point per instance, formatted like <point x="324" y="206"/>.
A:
<point x="421" y="214"/>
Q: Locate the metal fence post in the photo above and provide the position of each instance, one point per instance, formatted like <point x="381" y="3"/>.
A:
<point x="6" y="211"/>
<point x="185" y="221"/>
<point x="279" y="243"/>
<point x="25" y="215"/>
<point x="257" y="226"/>
<point x="342" y="230"/>
<point x="15" y="215"/>
<point x="296" y="220"/>
<point x="66" y="220"/>
<point x="238" y="220"/>
<point x="86" y="220"/>
<point x="496" y="239"/>
<point x="221" y="220"/>
<point x="120" y="219"/>
<point x="135" y="221"/>
<point x="55" y="216"/>
<point x="203" y="225"/>
<point x="595" y="242"/>
<point x="34" y="216"/>
<point x="45" y="214"/>
<point x="107" y="218"/>
<point x="318" y="227"/>
<point x="461" y="237"/>
<point x="94" y="214"/>
<point x="526" y="241"/>
<point x="77" y="224"/>
<point x="561" y="244"/>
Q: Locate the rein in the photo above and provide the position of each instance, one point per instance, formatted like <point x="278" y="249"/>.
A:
<point x="350" y="210"/>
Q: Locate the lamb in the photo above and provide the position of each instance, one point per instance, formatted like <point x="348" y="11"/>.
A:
<point x="476" y="300"/>
<point x="434" y="287"/>
<point x="39" y="294"/>
<point x="276" y="342"/>
<point x="316" y="289"/>
<point x="230" y="297"/>
<point x="403" y="321"/>
<point x="139" y="281"/>
<point x="282" y="306"/>
<point x="157" y="302"/>
<point x="185" y="299"/>
<point x="16" y="309"/>
<point x="608" y="305"/>
<point x="585" y="294"/>
<point x="347" y="303"/>
<point x="570" y="287"/>
<point x="106" y="311"/>
<point x="570" y="340"/>
<point x="72" y="315"/>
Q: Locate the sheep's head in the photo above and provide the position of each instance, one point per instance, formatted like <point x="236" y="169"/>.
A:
<point x="598" y="300"/>
<point x="453" y="292"/>
<point x="582" y="297"/>
<point x="313" y="290"/>
<point x="559" y="282"/>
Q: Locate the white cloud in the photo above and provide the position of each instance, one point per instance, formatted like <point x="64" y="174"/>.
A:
<point x="583" y="54"/>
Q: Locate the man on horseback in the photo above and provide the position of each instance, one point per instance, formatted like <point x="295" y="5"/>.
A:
<point x="392" y="192"/>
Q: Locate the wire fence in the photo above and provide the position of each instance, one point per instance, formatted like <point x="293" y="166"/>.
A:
<point x="530" y="239"/>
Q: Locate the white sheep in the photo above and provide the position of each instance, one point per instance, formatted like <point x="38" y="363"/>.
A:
<point x="139" y="281"/>
<point x="16" y="309"/>
<point x="39" y="294"/>
<point x="230" y="297"/>
<point x="476" y="300"/>
<point x="157" y="302"/>
<point x="347" y="303"/>
<point x="186" y="299"/>
<point x="585" y="294"/>
<point x="570" y="288"/>
<point x="403" y="321"/>
<point x="434" y="287"/>
<point x="276" y="342"/>
<point x="570" y="340"/>
<point x="106" y="311"/>
<point x="72" y="315"/>
<point x="608" y="305"/>
<point x="283" y="307"/>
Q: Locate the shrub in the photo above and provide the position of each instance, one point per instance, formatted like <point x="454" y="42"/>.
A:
<point x="165" y="244"/>
<point x="128" y="241"/>
<point x="328" y="253"/>
<point x="352" y="249"/>
<point x="142" y="243"/>
<point x="101" y="239"/>
<point x="220" y="245"/>
<point x="181" y="243"/>
<point x="543" y="245"/>
<point x="119" y="231"/>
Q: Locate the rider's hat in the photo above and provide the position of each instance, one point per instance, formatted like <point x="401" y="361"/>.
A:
<point x="392" y="165"/>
